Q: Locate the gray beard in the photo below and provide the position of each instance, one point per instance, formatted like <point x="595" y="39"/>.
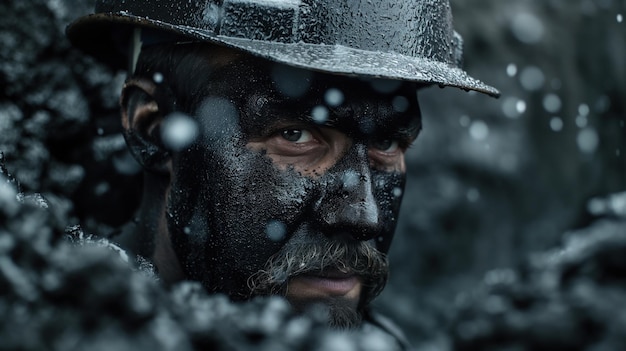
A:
<point x="316" y="255"/>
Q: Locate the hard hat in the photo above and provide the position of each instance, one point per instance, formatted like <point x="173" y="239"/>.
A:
<point x="409" y="40"/>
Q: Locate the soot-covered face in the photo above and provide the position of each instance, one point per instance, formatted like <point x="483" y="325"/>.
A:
<point x="293" y="185"/>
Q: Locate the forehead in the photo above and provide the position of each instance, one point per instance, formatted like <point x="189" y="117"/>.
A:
<point x="263" y="89"/>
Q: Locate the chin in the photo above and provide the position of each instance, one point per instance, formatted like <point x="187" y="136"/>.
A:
<point x="337" y="312"/>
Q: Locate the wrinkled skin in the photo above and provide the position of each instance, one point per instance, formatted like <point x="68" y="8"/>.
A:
<point x="262" y="159"/>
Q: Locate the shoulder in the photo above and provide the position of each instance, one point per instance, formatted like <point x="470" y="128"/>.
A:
<point x="375" y="321"/>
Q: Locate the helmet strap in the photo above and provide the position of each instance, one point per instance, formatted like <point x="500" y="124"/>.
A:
<point x="135" y="50"/>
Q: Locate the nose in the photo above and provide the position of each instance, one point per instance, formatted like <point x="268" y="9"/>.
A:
<point x="347" y="204"/>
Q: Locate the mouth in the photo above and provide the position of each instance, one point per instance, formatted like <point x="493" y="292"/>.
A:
<point x="327" y="283"/>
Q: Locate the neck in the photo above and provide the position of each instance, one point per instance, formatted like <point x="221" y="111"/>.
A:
<point x="149" y="237"/>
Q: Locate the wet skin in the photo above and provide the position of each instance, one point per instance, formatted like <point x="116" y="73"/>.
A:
<point x="262" y="158"/>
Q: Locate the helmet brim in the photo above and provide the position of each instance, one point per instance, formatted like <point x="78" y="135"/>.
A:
<point x="93" y="35"/>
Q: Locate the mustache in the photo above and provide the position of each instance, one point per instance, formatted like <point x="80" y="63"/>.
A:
<point x="315" y="256"/>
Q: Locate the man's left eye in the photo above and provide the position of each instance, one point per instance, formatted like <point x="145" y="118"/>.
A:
<point x="297" y="136"/>
<point x="386" y="145"/>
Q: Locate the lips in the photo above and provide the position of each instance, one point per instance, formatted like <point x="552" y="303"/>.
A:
<point x="328" y="283"/>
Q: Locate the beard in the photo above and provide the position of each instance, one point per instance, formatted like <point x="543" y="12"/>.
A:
<point x="316" y="255"/>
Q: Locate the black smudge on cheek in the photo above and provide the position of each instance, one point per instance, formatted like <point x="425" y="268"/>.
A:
<point x="222" y="201"/>
<point x="388" y="191"/>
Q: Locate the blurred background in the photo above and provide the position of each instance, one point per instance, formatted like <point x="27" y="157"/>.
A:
<point x="491" y="181"/>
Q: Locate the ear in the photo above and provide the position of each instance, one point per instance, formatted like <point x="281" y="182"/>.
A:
<point x="142" y="114"/>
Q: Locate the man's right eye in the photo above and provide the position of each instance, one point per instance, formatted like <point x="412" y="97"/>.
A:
<point x="297" y="136"/>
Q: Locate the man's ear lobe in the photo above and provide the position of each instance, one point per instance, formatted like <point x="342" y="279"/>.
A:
<point x="141" y="118"/>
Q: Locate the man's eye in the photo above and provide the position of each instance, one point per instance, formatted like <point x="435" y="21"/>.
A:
<point x="297" y="136"/>
<point x="386" y="145"/>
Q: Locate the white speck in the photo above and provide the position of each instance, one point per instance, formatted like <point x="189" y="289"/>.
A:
<point x="187" y="230"/>
<point x="179" y="131"/>
<point x="509" y="107"/>
<point x="620" y="18"/>
<point x="350" y="179"/>
<point x="556" y="124"/>
<point x="157" y="78"/>
<point x="596" y="206"/>
<point x="499" y="276"/>
<point x="397" y="192"/>
<point x="583" y="109"/>
<point x="100" y="131"/>
<point x="8" y="196"/>
<point x="511" y="70"/>
<point x="588" y="140"/>
<point x="479" y="130"/>
<point x="381" y="183"/>
<point x="126" y="164"/>
<point x="101" y="189"/>
<point x="527" y="28"/>
<point x="473" y="195"/>
<point x="333" y="97"/>
<point x="465" y="121"/>
<point x="320" y="114"/>
<point x="275" y="230"/>
<point x="400" y="104"/>
<point x="552" y="103"/>
<point x="520" y="106"/>
<point x="532" y="78"/>
<point x="581" y="121"/>
<point x="602" y="104"/>
<point x="338" y="342"/>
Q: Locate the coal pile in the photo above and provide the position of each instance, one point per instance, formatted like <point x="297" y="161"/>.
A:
<point x="490" y="183"/>
<point x="567" y="298"/>
<point x="61" y="289"/>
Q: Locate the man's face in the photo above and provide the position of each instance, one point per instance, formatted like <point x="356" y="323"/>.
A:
<point x="294" y="184"/>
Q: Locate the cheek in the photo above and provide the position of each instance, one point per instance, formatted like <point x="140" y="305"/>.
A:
<point x="231" y="210"/>
<point x="250" y="206"/>
<point x="388" y="191"/>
